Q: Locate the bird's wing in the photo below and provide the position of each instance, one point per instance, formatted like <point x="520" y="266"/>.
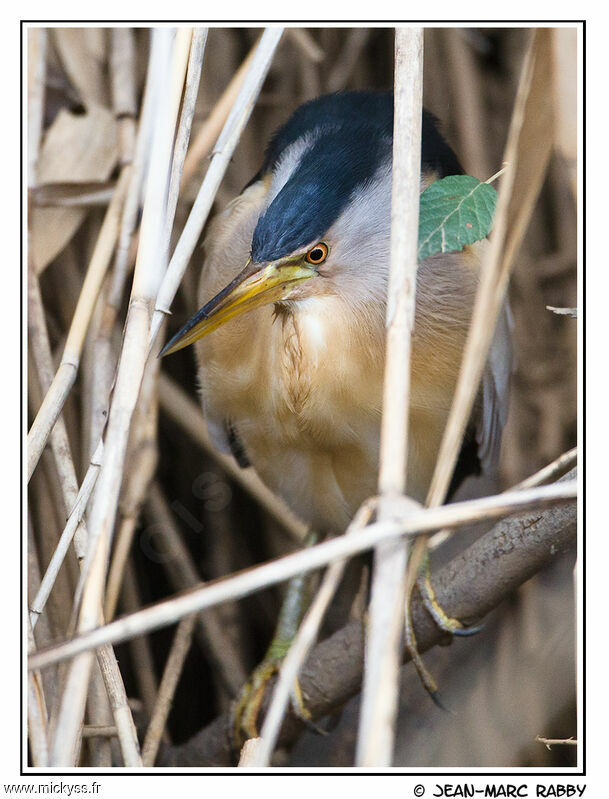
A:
<point x="495" y="393"/>
<point x="225" y="437"/>
<point x="217" y="429"/>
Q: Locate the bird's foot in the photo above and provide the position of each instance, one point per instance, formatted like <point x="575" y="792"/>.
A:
<point x="250" y="701"/>
<point x="425" y="676"/>
<point x="445" y="622"/>
<point x="247" y="709"/>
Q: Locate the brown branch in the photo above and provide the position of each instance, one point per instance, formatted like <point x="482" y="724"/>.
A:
<point x="468" y="588"/>
<point x="168" y="611"/>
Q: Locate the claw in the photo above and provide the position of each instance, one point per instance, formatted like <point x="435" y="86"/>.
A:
<point x="300" y="710"/>
<point x="245" y="714"/>
<point x="247" y="709"/>
<point x="465" y="632"/>
<point x="435" y="695"/>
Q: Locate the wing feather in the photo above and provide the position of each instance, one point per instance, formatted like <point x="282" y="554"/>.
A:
<point x="495" y="393"/>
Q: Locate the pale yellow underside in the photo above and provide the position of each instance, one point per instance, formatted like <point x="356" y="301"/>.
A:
<point x="303" y="387"/>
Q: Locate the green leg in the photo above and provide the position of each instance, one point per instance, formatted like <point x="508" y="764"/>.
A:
<point x="292" y="611"/>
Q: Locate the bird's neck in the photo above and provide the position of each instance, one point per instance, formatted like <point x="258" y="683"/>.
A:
<point x="318" y="346"/>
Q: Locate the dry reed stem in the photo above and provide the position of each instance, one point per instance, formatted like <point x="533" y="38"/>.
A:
<point x="81" y="668"/>
<point x="126" y="731"/>
<point x="148" y="271"/>
<point x="183" y="574"/>
<point x="98" y="713"/>
<point x="495" y="270"/>
<point x="66" y="373"/>
<point x="142" y="458"/>
<point x="66" y="474"/>
<point x="193" y="77"/>
<point x="37" y="722"/>
<point x="122" y="72"/>
<point x="180" y="63"/>
<point x="564" y="52"/>
<point x="169" y="682"/>
<point x="143" y="427"/>
<point x="420" y="522"/>
<point x="65" y="748"/>
<point x="188" y="415"/>
<point x="85" y="193"/>
<point x="74" y="519"/>
<point x="44" y="515"/>
<point x="236" y="122"/>
<point x="529" y="117"/>
<point x="99" y="731"/>
<point x="124" y="536"/>
<point x="465" y="85"/>
<point x="210" y="130"/>
<point x="37" y="49"/>
<point x="225" y="146"/>
<point x="102" y="363"/>
<point x="99" y="365"/>
<point x="378" y="711"/>
<point x="68" y="485"/>
<point x="41" y="352"/>
<point x="187" y="51"/>
<point x="252" y="83"/>
<point x="550" y="742"/>
<point x="306" y="44"/>
<point x="96" y="376"/>
<point x="43" y="636"/>
<point x="532" y="118"/>
<point x="37" y="712"/>
<point x="250" y="753"/>
<point x="84" y="71"/>
<point x="348" y="59"/>
<point x="123" y="89"/>
<point x="553" y="471"/>
<point x="132" y="203"/>
<point x="140" y="648"/>
<point x="103" y="360"/>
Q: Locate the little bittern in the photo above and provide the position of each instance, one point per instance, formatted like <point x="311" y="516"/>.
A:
<point x="291" y="380"/>
<point x="294" y="285"/>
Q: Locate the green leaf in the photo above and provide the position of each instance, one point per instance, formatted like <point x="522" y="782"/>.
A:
<point x="453" y="212"/>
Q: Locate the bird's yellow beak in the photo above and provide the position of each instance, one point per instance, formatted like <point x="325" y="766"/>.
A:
<point x="256" y="285"/>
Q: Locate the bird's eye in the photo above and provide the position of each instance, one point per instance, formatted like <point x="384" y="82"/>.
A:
<point x="318" y="254"/>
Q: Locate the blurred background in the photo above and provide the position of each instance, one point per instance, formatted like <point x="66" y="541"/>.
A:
<point x="185" y="519"/>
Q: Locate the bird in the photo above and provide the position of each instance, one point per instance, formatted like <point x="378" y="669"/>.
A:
<point x="290" y="334"/>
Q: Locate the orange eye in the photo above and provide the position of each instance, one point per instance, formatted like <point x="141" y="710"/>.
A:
<point x="318" y="254"/>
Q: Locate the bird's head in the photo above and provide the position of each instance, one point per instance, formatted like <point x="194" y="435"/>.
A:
<point x="324" y="225"/>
